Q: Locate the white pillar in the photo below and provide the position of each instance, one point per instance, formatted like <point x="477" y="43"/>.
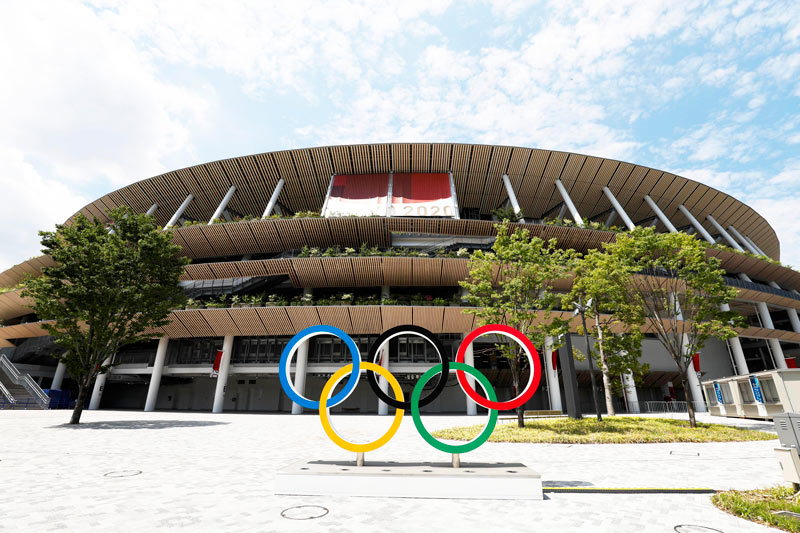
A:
<point x="222" y="377"/>
<point x="618" y="208"/>
<point x="152" y="209"/>
<point x="383" y="407"/>
<point x="568" y="202"/>
<point x="179" y="212"/>
<point x="631" y="395"/>
<point x="301" y="364"/>
<point x="99" y="386"/>
<point x="660" y="214"/>
<point x="725" y="234"/>
<point x="58" y="377"/>
<point x="736" y="348"/>
<point x="155" y="378"/>
<point x="742" y="240"/>
<point x="753" y="244"/>
<point x="774" y="344"/>
<point x="469" y="358"/>
<point x="385" y="291"/>
<point x="273" y="200"/>
<point x="793" y="318"/>
<point x="699" y="227"/>
<point x="512" y="197"/>
<point x="695" y="392"/>
<point x="552" y="375"/>
<point x="222" y="205"/>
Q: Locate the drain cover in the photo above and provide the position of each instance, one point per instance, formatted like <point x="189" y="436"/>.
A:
<point x="304" y="512"/>
<point x="122" y="473"/>
<point x="689" y="528"/>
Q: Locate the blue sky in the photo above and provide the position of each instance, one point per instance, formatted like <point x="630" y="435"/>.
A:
<point x="96" y="95"/>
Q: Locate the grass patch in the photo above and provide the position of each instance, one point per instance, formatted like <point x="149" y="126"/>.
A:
<point x="758" y="505"/>
<point x="612" y="430"/>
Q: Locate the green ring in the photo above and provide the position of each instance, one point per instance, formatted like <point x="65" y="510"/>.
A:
<point x="430" y="439"/>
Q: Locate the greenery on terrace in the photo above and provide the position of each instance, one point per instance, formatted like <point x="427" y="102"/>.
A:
<point x="761" y="505"/>
<point x="338" y="298"/>
<point x="611" y="430"/>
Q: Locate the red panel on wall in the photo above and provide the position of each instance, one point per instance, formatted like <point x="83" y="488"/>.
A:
<point x="422" y="195"/>
<point x="358" y="194"/>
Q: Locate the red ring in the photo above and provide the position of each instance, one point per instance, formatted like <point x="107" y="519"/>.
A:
<point x="533" y="355"/>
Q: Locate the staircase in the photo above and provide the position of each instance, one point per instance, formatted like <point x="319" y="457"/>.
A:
<point x="19" y="391"/>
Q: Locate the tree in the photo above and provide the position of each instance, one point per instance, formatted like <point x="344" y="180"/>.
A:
<point x="111" y="286"/>
<point x="512" y="285"/>
<point x="681" y="291"/>
<point x="616" y="319"/>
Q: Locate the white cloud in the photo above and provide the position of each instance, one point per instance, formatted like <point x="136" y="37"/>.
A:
<point x="32" y="203"/>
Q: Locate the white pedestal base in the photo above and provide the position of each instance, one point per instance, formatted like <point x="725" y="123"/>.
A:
<point x="490" y="481"/>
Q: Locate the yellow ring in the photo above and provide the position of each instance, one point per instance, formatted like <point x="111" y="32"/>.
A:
<point x="324" y="414"/>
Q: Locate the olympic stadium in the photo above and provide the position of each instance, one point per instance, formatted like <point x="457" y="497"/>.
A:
<point x="370" y="237"/>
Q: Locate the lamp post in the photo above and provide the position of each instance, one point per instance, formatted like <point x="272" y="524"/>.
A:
<point x="580" y="308"/>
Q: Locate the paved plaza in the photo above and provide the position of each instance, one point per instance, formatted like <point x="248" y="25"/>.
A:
<point x="135" y="471"/>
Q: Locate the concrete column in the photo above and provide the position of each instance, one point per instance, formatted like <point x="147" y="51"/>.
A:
<point x="568" y="202"/>
<point x="469" y="358"/>
<point x="99" y="386"/>
<point x="222" y="205"/>
<point x="774" y="344"/>
<point x="660" y="214"/>
<point x="725" y="234"/>
<point x="742" y="240"/>
<point x="699" y="227"/>
<point x="736" y="349"/>
<point x="152" y="209"/>
<point x="273" y="200"/>
<point x="383" y="407"/>
<point x="301" y="365"/>
<point x="155" y="378"/>
<point x="58" y="377"/>
<point x="618" y="208"/>
<point x="222" y="377"/>
<point x="793" y="318"/>
<point x="385" y="291"/>
<point x="512" y="197"/>
<point x="630" y="393"/>
<point x="179" y="212"/>
<point x="552" y="375"/>
<point x="695" y="392"/>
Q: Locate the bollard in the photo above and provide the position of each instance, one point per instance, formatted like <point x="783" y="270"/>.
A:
<point x="456" y="460"/>
<point x="359" y="458"/>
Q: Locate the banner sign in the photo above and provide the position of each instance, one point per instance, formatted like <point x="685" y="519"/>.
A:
<point x="756" y="389"/>
<point x="217" y="361"/>
<point x="718" y="393"/>
<point x="358" y="194"/>
<point x="422" y="195"/>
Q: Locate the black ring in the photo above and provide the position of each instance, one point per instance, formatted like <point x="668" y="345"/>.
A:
<point x="420" y="332"/>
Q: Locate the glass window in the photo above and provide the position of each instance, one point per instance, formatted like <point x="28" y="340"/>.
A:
<point x="769" y="391"/>
<point x="746" y="391"/>
<point x="711" y="395"/>
<point x="727" y="397"/>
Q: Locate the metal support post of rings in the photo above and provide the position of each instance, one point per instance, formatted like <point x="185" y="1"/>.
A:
<point x="416" y="401"/>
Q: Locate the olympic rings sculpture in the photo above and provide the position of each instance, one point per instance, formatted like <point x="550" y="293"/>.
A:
<point x="373" y="367"/>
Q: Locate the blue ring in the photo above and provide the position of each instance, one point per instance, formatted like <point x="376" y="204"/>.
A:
<point x="283" y="367"/>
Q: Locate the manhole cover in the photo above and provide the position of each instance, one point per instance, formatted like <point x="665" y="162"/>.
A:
<point x="122" y="473"/>
<point x="304" y="512"/>
<point x="689" y="528"/>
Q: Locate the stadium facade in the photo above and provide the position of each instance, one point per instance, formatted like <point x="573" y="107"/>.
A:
<point x="368" y="237"/>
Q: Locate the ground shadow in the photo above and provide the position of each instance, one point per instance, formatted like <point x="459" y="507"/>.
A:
<point x="140" y="424"/>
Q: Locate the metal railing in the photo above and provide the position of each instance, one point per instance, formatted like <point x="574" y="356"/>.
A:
<point x="27" y="403"/>
<point x="6" y="394"/>
<point x="669" y="407"/>
<point x="25" y="380"/>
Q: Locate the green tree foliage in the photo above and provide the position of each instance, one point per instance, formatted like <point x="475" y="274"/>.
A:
<point x="512" y="285"/>
<point x="614" y="318"/>
<point x="110" y="286"/>
<point x="680" y="290"/>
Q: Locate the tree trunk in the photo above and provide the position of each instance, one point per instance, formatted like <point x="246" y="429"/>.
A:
<point x="688" y="393"/>
<point x="604" y="369"/>
<point x="76" y="413"/>
<point x="607" y="388"/>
